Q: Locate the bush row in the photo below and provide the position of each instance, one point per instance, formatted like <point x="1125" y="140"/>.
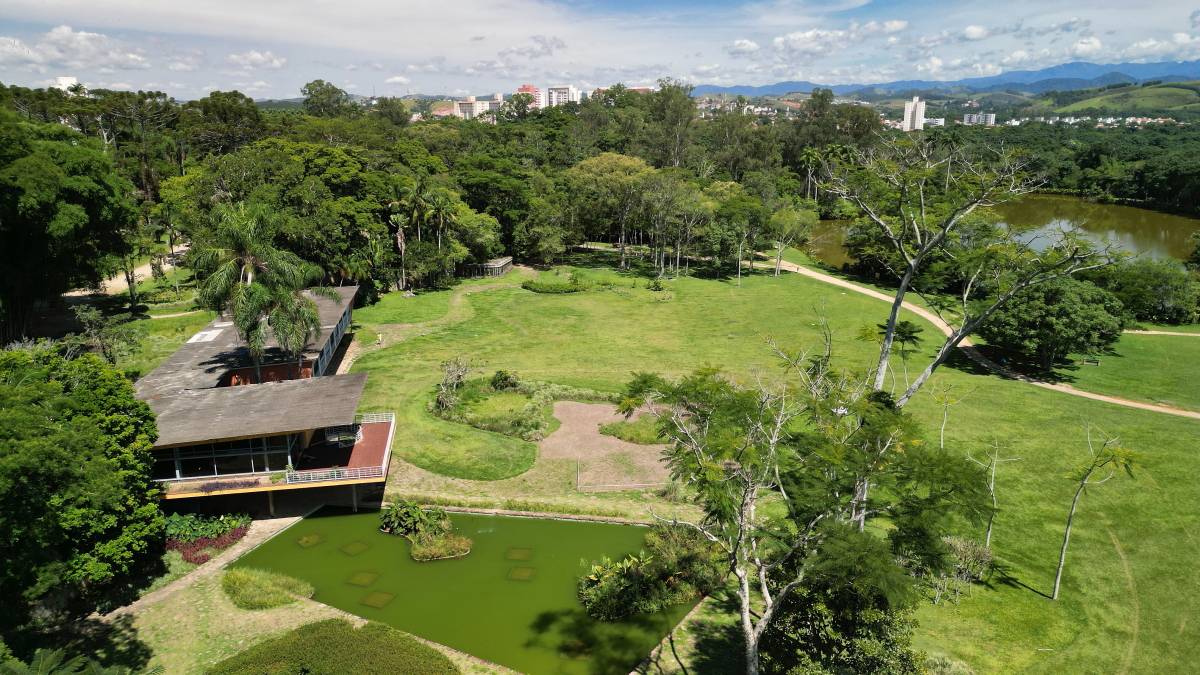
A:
<point x="335" y="646"/>
<point x="552" y="287"/>
<point x="189" y="526"/>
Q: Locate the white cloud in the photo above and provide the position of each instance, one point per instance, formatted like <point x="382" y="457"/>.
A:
<point x="704" y="70"/>
<point x="1085" y="47"/>
<point x="64" y="47"/>
<point x="932" y="66"/>
<point x="742" y="48"/>
<point x="186" y="63"/>
<point x="397" y="79"/>
<point x="254" y="60"/>
<point x="975" y="32"/>
<point x="256" y="86"/>
<point x="814" y="42"/>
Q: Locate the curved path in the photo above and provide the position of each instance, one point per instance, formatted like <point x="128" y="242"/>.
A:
<point x="973" y="352"/>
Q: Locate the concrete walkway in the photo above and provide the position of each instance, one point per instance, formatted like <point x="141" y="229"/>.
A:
<point x="970" y="350"/>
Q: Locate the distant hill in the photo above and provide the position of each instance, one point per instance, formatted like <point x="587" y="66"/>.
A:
<point x="1063" y="77"/>
<point x="1166" y="98"/>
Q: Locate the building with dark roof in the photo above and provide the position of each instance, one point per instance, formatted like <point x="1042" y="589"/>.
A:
<point x="227" y="426"/>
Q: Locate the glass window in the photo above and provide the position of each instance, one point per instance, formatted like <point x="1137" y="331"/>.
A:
<point x="277" y="461"/>
<point x="228" y="464"/>
<point x="164" y="468"/>
<point x="196" y="466"/>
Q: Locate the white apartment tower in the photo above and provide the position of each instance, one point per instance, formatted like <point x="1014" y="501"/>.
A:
<point x="980" y="119"/>
<point x="470" y="108"/>
<point x="914" y="115"/>
<point x="561" y="94"/>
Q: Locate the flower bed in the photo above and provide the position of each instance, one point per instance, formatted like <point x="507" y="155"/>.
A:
<point x="199" y="538"/>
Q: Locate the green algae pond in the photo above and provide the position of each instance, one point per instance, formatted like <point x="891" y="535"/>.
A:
<point x="511" y="600"/>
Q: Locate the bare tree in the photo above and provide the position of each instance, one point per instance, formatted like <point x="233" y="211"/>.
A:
<point x="1110" y="457"/>
<point x="994" y="460"/>
<point x="923" y="199"/>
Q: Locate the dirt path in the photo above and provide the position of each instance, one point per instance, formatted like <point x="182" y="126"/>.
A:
<point x="260" y="531"/>
<point x="117" y="284"/>
<point x="971" y="351"/>
<point x="604" y="462"/>
<point x="1163" y="332"/>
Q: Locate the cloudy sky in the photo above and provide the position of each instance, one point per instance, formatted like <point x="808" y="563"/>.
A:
<point x="270" y="48"/>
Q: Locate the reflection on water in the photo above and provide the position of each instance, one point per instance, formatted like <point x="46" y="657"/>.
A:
<point x="1140" y="231"/>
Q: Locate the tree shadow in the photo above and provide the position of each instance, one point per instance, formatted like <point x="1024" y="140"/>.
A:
<point x="1001" y="575"/>
<point x="606" y="647"/>
<point x="113" y="642"/>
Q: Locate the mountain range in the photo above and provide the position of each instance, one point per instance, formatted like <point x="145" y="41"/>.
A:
<point x="1063" y="77"/>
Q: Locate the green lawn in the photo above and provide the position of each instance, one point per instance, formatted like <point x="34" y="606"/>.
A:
<point x="1129" y="589"/>
<point x="399" y="308"/>
<point x="1157" y="368"/>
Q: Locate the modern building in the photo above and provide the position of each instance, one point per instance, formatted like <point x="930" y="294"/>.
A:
<point x="538" y="100"/>
<point x="914" y="115"/>
<point x="561" y="94"/>
<point x="471" y="108"/>
<point x="979" y="119"/>
<point x="935" y="121"/>
<point x="226" y="427"/>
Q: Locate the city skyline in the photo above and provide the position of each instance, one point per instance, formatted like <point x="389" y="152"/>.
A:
<point x="270" y="49"/>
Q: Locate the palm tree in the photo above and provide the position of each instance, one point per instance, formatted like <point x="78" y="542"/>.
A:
<point x="294" y="320"/>
<point x="413" y="201"/>
<point x="242" y="273"/>
<point x="810" y="159"/>
<point x="442" y="209"/>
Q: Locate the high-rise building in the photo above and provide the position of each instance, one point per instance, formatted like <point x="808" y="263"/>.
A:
<point x="980" y="119"/>
<point x="471" y="108"/>
<point x="914" y="115"/>
<point x="935" y="121"/>
<point x="561" y="94"/>
<point x="538" y="99"/>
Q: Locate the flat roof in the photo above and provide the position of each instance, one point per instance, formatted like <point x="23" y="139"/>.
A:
<point x="191" y="407"/>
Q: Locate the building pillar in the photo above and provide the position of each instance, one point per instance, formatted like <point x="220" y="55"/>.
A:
<point x="271" y="503"/>
<point x="354" y="497"/>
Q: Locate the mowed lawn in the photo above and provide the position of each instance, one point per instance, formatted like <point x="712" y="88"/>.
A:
<point x="1157" y="368"/>
<point x="1130" y="599"/>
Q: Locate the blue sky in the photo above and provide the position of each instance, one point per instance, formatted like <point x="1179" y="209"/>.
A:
<point x="270" y="48"/>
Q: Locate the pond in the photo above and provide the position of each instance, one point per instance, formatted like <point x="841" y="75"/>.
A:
<point x="1141" y="231"/>
<point x="511" y="601"/>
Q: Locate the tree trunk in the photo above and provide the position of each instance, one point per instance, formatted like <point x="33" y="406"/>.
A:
<point x="889" y="334"/>
<point x="1062" y="553"/>
<point x="987" y="535"/>
<point x="778" y="259"/>
<point x="131" y="282"/>
<point x="739" y="265"/>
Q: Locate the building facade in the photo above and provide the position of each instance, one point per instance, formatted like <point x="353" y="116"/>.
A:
<point x="471" y="108"/>
<point x="561" y="94"/>
<point x="980" y="119"/>
<point x="914" y="115"/>
<point x="229" y="426"/>
<point x="538" y="98"/>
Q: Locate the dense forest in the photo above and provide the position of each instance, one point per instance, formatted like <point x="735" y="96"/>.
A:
<point x="372" y="198"/>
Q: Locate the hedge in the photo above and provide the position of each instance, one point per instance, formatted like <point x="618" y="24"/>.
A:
<point x="552" y="286"/>
<point x="334" y="646"/>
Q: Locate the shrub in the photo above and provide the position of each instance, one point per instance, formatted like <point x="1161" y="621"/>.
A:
<point x="430" y="531"/>
<point x="427" y="546"/>
<point x="503" y="380"/>
<point x="189" y="526"/>
<point x="552" y="287"/>
<point x="655" y="284"/>
<point x="251" y="588"/>
<point x="336" y="646"/>
<point x="681" y="566"/>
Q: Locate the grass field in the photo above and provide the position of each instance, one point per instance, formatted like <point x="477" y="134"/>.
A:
<point x="1157" y="99"/>
<point x="1128" y="591"/>
<point x="1157" y="368"/>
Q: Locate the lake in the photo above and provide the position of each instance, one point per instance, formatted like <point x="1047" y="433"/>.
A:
<point x="1140" y="231"/>
<point x="511" y="600"/>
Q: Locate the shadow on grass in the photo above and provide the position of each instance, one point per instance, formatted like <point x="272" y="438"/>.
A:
<point x="606" y="647"/>
<point x="110" y="643"/>
<point x="1001" y="576"/>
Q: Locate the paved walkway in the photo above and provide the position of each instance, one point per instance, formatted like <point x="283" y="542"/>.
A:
<point x="117" y="284"/>
<point x="970" y="350"/>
